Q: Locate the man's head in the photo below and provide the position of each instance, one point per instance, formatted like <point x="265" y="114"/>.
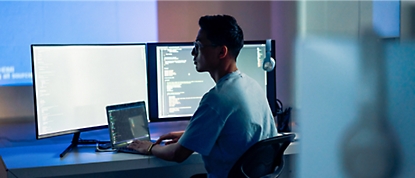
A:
<point x="223" y="30"/>
<point x="217" y="44"/>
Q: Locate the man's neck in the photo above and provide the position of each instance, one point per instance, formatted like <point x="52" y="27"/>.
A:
<point x="224" y="70"/>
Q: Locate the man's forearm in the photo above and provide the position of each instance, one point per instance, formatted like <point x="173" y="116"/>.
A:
<point x="172" y="152"/>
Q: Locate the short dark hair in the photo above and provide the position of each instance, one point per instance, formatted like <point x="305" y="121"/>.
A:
<point x="223" y="30"/>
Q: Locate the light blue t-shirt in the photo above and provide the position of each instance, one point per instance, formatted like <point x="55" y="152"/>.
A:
<point x="230" y="118"/>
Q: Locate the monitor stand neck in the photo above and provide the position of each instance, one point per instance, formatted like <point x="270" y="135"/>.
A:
<point x="75" y="142"/>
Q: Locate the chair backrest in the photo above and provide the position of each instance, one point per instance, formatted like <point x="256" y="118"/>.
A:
<point x="263" y="158"/>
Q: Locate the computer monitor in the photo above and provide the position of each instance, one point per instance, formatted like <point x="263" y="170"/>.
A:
<point x="176" y="88"/>
<point x="73" y="84"/>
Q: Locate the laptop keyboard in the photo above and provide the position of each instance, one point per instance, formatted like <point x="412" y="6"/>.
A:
<point x="128" y="150"/>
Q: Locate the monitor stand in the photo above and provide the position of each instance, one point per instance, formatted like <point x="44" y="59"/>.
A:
<point x="77" y="141"/>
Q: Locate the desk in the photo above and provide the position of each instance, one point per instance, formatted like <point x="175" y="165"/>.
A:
<point x="83" y="161"/>
<point x="44" y="161"/>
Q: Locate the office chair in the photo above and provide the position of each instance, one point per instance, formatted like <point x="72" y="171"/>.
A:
<point x="264" y="158"/>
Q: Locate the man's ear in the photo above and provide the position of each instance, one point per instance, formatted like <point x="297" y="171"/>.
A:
<point x="223" y="52"/>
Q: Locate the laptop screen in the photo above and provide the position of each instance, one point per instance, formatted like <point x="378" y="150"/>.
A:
<point x="127" y="122"/>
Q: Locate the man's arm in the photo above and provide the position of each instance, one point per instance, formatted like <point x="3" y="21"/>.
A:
<point x="173" y="137"/>
<point x="172" y="152"/>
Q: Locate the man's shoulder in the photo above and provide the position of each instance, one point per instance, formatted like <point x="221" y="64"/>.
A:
<point x="212" y="95"/>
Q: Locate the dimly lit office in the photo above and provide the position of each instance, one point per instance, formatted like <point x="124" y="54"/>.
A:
<point x="207" y="89"/>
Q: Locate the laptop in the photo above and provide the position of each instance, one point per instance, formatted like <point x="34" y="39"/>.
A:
<point x="127" y="122"/>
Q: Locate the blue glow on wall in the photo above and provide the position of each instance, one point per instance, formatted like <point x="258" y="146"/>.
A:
<point x="386" y="18"/>
<point x="67" y="22"/>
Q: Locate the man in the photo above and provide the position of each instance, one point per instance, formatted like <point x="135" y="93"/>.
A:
<point x="231" y="117"/>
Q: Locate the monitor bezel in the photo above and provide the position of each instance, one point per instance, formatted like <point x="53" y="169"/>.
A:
<point x="78" y="130"/>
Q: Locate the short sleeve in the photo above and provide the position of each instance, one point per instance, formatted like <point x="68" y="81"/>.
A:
<point x="203" y="130"/>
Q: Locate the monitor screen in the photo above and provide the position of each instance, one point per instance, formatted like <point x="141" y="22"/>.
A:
<point x="73" y="84"/>
<point x="177" y="88"/>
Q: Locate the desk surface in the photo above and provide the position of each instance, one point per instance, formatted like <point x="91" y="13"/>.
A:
<point x="44" y="161"/>
<point x="39" y="161"/>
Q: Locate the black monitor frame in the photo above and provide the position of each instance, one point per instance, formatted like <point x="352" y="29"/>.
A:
<point x="271" y="87"/>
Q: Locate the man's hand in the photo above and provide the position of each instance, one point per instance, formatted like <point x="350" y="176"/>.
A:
<point x="171" y="151"/>
<point x="140" y="146"/>
<point x="173" y="137"/>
